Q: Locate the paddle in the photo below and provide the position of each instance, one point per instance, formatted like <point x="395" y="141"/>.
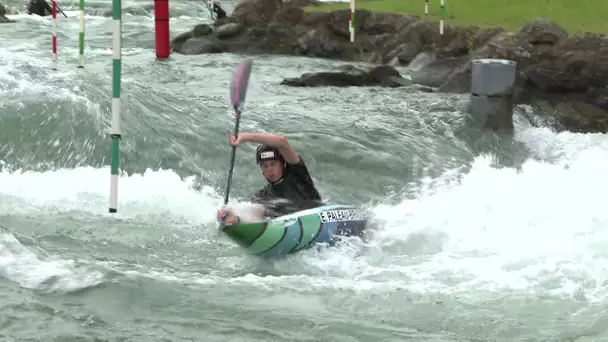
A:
<point x="210" y="8"/>
<point x="238" y="90"/>
<point x="60" y="10"/>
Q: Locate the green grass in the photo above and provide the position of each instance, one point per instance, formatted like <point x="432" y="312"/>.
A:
<point x="576" y="16"/>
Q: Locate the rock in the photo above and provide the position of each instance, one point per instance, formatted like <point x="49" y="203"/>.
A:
<point x="387" y="76"/>
<point x="549" y="61"/>
<point x="598" y="97"/>
<point x="251" y="12"/>
<point x="177" y="42"/>
<point x="571" y="114"/>
<point x="348" y="75"/>
<point x="320" y="42"/>
<point x="3" y="18"/>
<point x="302" y="3"/>
<point x="289" y="15"/>
<point x="324" y="79"/>
<point x="542" y="31"/>
<point x="274" y="38"/>
<point x="202" y="30"/>
<point x="569" y="71"/>
<point x="434" y="73"/>
<point x="229" y="30"/>
<point x="421" y="60"/>
<point x="196" y="46"/>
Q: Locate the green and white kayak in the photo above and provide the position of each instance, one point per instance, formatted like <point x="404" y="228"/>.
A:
<point x="291" y="233"/>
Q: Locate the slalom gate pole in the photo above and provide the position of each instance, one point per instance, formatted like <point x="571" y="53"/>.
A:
<point x="54" y="33"/>
<point x="441" y="14"/>
<point x="81" y="36"/>
<point x="115" y="129"/>
<point x="351" y="21"/>
<point x="54" y="9"/>
<point x="161" y="26"/>
<point x="441" y="17"/>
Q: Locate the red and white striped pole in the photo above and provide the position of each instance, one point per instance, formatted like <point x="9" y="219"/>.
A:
<point x="54" y="39"/>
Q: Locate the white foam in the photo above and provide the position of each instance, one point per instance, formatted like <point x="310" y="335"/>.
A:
<point x="86" y="189"/>
<point x="542" y="229"/>
<point x="500" y="228"/>
<point x="23" y="266"/>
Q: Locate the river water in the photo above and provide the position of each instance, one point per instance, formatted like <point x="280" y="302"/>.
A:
<point x="478" y="237"/>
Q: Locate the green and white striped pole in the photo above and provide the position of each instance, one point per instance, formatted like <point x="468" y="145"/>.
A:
<point x="115" y="129"/>
<point x="441" y="17"/>
<point x="209" y="5"/>
<point x="81" y="36"/>
<point x="351" y="21"/>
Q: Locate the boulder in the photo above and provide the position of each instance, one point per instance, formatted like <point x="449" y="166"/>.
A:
<point x="350" y="76"/>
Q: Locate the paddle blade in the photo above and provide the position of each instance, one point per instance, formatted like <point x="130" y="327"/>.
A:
<point x="238" y="87"/>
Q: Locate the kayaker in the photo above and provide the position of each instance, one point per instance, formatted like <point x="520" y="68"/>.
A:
<point x="39" y="7"/>
<point x="290" y="187"/>
<point x="219" y="11"/>
<point x="215" y="6"/>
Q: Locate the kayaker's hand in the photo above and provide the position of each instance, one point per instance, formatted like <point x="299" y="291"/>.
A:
<point x="221" y="213"/>
<point x="227" y="216"/>
<point x="236" y="141"/>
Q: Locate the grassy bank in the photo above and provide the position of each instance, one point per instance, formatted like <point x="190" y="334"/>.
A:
<point x="576" y="16"/>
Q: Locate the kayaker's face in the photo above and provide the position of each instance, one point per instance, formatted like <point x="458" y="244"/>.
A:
<point x="272" y="170"/>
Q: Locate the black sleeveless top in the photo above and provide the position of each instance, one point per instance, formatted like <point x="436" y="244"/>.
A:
<point x="294" y="193"/>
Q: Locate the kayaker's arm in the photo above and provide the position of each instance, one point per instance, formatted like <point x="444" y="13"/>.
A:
<point x="280" y="142"/>
<point x="47" y="7"/>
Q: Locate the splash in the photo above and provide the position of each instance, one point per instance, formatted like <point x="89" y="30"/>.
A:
<point x="24" y="266"/>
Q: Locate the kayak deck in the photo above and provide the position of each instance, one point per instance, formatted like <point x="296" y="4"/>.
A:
<point x="294" y="232"/>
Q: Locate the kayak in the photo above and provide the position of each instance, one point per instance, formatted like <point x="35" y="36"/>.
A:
<point x="297" y="231"/>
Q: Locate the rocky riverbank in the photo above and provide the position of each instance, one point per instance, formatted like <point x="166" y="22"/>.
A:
<point x="564" y="76"/>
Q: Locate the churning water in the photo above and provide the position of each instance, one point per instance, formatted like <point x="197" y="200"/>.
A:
<point x="479" y="237"/>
